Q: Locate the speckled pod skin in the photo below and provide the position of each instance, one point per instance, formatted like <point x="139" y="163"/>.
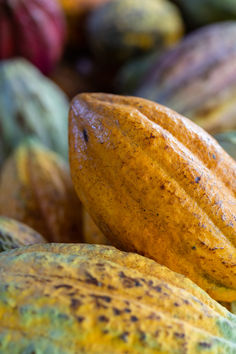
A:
<point x="35" y="188"/>
<point x="14" y="234"/>
<point x="198" y="78"/>
<point x="95" y="299"/>
<point x="121" y="29"/>
<point x="228" y="142"/>
<point x="156" y="183"/>
<point x="91" y="233"/>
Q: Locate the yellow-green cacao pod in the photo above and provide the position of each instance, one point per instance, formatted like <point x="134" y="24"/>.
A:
<point x="14" y="234"/>
<point x="121" y="29"/>
<point x="36" y="189"/>
<point x="95" y="299"/>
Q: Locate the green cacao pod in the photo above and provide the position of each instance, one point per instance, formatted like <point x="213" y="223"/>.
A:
<point x="203" y="12"/>
<point x="95" y="299"/>
<point x="228" y="142"/>
<point x="121" y="29"/>
<point x="30" y="104"/>
<point x="198" y="78"/>
<point x="14" y="234"/>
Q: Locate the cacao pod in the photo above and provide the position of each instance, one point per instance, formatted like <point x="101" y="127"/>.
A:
<point x="228" y="142"/>
<point x="32" y="29"/>
<point x="36" y="189"/>
<point x="14" y="234"/>
<point x="76" y="13"/>
<point x="91" y="233"/>
<point x="156" y="183"/>
<point x="203" y="12"/>
<point x="30" y="104"/>
<point x="96" y="299"/>
<point x="125" y="28"/>
<point x="198" y="78"/>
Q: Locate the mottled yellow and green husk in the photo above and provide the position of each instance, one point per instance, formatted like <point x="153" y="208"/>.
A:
<point x="14" y="234"/>
<point x="157" y="184"/>
<point x="121" y="29"/>
<point x="36" y="189"/>
<point x="58" y="298"/>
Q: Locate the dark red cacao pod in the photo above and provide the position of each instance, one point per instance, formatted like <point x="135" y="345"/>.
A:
<point x="34" y="29"/>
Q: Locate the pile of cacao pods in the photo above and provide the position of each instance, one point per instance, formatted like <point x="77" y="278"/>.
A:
<point x="117" y="209"/>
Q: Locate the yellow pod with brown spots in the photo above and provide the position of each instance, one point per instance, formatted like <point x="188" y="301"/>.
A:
<point x="156" y="183"/>
<point x="58" y="298"/>
<point x="36" y="189"/>
<point x="14" y="234"/>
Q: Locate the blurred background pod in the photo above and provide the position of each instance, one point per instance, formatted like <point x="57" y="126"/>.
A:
<point x="122" y="29"/>
<point x="76" y="12"/>
<point x="228" y="142"/>
<point x="36" y="189"/>
<point x="32" y="29"/>
<point x="198" y="78"/>
<point x="14" y="234"/>
<point x="202" y="12"/>
<point x="30" y="104"/>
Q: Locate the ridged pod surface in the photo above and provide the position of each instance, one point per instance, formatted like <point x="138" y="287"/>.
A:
<point x="156" y="183"/>
<point x="91" y="233"/>
<point x="14" y="234"/>
<point x="228" y="142"/>
<point x="30" y="105"/>
<point x="95" y="299"/>
<point x="126" y="28"/>
<point x="32" y="29"/>
<point x="198" y="78"/>
<point x="36" y="189"/>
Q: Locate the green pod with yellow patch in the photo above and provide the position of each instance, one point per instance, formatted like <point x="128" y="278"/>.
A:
<point x="95" y="299"/>
<point x="198" y="78"/>
<point x="14" y="234"/>
<point x="36" y="189"/>
<point x="121" y="29"/>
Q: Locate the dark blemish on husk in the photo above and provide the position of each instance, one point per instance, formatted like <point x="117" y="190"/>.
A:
<point x="80" y="319"/>
<point x="142" y="336"/>
<point x="66" y="286"/>
<point x="214" y="156"/>
<point x="85" y="135"/>
<point x="129" y="282"/>
<point x="102" y="297"/>
<point x="91" y="280"/>
<point x="133" y="319"/>
<point x="197" y="179"/>
<point x="127" y="310"/>
<point x="176" y="304"/>
<point x="124" y="336"/>
<point x="205" y="345"/>
<point x="162" y="186"/>
<point x="116" y="311"/>
<point x="157" y="288"/>
<point x="103" y="319"/>
<point x="194" y="248"/>
<point x="179" y="335"/>
<point x="75" y="303"/>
